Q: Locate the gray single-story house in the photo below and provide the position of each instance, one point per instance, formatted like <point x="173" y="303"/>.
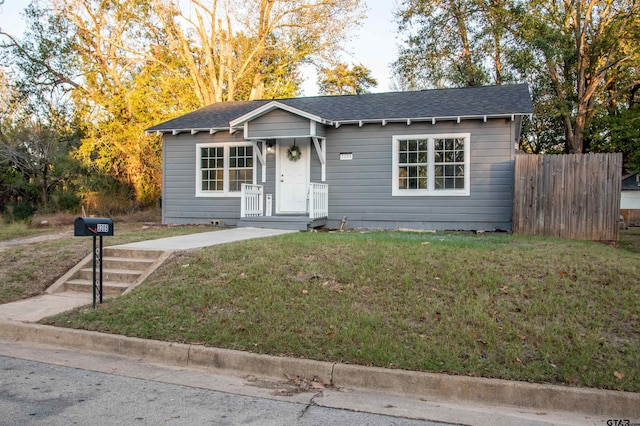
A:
<point x="434" y="159"/>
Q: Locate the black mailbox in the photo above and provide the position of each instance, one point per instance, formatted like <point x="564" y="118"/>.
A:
<point x="92" y="227"/>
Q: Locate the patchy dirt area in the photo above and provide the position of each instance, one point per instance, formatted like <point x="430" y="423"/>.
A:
<point x="23" y="241"/>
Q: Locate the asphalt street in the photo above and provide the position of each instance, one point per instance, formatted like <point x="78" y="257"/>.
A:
<point x="35" y="393"/>
<point x="43" y="384"/>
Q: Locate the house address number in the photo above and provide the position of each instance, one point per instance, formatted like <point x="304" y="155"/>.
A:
<point x="103" y="228"/>
<point x="346" y="156"/>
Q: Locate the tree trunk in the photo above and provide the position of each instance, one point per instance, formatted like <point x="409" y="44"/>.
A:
<point x="45" y="187"/>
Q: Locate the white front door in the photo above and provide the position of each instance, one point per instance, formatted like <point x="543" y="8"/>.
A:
<point x="292" y="177"/>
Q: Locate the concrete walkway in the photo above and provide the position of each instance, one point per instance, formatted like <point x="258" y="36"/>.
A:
<point x="205" y="239"/>
<point x="37" y="308"/>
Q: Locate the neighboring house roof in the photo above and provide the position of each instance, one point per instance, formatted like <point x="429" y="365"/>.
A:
<point x="436" y="104"/>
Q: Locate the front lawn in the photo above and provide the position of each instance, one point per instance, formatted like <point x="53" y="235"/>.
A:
<point x="27" y="270"/>
<point x="532" y="309"/>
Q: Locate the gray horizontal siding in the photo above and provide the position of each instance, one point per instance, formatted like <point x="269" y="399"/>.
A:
<point x="278" y="123"/>
<point x="359" y="189"/>
<point x="179" y="202"/>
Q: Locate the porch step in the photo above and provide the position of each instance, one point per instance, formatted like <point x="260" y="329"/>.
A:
<point x="109" y="288"/>
<point x="122" y="269"/>
<point x="109" y="274"/>
<point x="296" y="223"/>
<point x="132" y="263"/>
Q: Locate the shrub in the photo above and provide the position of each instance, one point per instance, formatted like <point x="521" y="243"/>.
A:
<point x="18" y="212"/>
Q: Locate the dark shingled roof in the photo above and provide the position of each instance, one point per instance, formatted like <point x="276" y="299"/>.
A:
<point x="437" y="103"/>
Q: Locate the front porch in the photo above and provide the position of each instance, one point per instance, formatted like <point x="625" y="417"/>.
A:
<point x="256" y="209"/>
<point x="296" y="223"/>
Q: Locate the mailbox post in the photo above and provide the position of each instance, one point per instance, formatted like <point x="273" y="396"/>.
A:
<point x="94" y="227"/>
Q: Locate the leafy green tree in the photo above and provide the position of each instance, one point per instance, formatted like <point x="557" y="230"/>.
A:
<point x="94" y="51"/>
<point x="454" y="43"/>
<point x="35" y="140"/>
<point x="588" y="50"/>
<point x="581" y="59"/>
<point x="618" y="130"/>
<point x="342" y="80"/>
<point x="128" y="64"/>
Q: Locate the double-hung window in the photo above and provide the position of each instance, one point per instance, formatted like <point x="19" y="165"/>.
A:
<point x="221" y="169"/>
<point x="431" y="165"/>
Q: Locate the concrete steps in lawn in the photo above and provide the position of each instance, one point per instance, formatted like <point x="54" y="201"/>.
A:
<point x="122" y="270"/>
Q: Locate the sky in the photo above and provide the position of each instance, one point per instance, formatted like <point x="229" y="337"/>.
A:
<point x="373" y="44"/>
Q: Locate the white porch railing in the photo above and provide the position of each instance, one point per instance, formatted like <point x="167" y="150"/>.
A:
<point x="251" y="200"/>
<point x="318" y="200"/>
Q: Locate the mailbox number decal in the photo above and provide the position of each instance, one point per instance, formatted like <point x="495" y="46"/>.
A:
<point x="100" y="228"/>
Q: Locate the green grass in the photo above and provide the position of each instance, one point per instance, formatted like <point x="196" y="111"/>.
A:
<point x="532" y="309"/>
<point x="29" y="269"/>
<point x="630" y="240"/>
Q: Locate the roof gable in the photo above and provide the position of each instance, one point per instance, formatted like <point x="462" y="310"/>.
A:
<point x="266" y="108"/>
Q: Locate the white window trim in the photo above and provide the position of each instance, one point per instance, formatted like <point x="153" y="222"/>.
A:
<point x="225" y="192"/>
<point x="431" y="191"/>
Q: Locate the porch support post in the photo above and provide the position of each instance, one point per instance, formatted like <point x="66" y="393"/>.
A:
<point x="321" y="150"/>
<point x="260" y="154"/>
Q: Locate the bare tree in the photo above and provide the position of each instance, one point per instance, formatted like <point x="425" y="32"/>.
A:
<point x="227" y="45"/>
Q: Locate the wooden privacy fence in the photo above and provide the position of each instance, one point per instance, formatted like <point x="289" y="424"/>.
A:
<point x="568" y="196"/>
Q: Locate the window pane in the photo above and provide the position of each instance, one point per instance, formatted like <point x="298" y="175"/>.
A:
<point x="211" y="165"/>
<point x="450" y="183"/>
<point x="448" y="145"/>
<point x="240" y="167"/>
<point x="239" y="176"/>
<point x="448" y="166"/>
<point x="448" y="170"/>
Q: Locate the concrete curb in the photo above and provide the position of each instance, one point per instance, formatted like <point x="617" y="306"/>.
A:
<point x="623" y="405"/>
